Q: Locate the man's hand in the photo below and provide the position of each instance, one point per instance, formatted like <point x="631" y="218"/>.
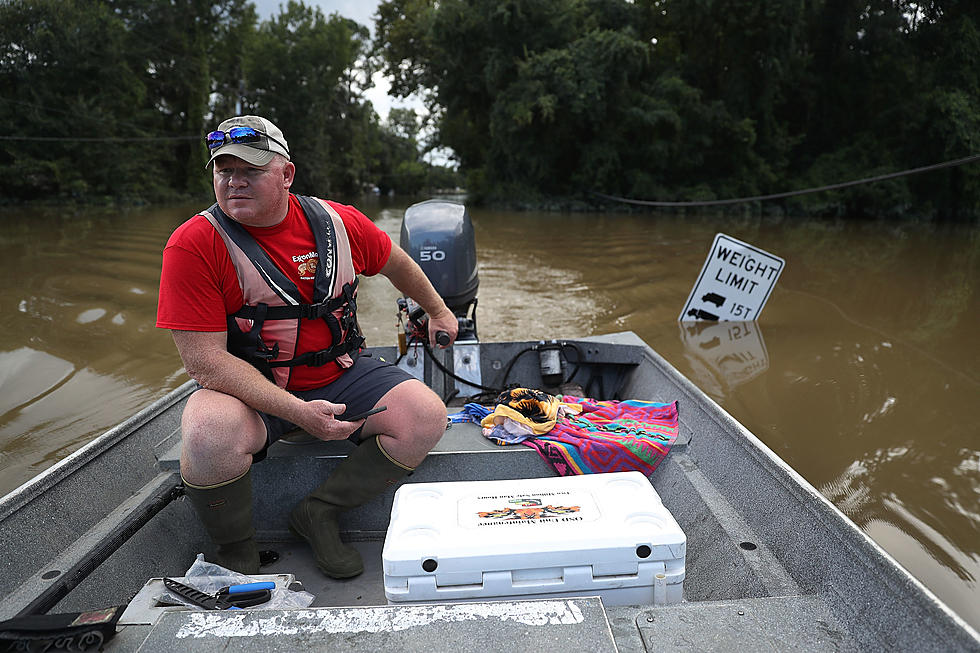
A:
<point x="408" y="277"/>
<point x="318" y="418"/>
<point x="444" y="321"/>
<point x="210" y="364"/>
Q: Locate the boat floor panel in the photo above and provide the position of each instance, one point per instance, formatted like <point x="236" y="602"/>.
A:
<point x="364" y="590"/>
<point x="545" y="625"/>
<point x="780" y="623"/>
<point x="788" y="623"/>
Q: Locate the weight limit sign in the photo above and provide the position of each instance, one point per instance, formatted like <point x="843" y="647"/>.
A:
<point x="734" y="284"/>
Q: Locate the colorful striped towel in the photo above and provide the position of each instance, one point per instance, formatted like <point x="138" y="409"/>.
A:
<point x="609" y="436"/>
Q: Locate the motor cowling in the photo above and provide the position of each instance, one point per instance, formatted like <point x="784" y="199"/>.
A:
<point x="438" y="235"/>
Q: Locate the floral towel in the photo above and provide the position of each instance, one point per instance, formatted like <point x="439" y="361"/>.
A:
<point x="536" y="411"/>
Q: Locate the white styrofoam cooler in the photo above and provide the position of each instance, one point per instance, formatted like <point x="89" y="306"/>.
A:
<point x="605" y="535"/>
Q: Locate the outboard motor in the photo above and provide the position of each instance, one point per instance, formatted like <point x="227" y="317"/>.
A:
<point x="438" y="235"/>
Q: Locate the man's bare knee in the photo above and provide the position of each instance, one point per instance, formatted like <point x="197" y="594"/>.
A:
<point x="413" y="423"/>
<point x="216" y="426"/>
<point x="431" y="412"/>
<point x="209" y="414"/>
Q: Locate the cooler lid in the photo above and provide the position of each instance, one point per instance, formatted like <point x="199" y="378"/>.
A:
<point x="610" y="521"/>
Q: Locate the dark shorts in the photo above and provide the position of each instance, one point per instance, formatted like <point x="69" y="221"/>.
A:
<point x="360" y="388"/>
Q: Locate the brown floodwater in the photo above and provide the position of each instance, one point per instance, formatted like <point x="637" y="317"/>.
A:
<point x="862" y="371"/>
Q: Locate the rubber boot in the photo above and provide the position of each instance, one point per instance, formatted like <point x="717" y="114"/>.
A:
<point x="367" y="472"/>
<point x="226" y="511"/>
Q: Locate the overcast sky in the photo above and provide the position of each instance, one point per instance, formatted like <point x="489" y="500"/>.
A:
<point x="361" y="11"/>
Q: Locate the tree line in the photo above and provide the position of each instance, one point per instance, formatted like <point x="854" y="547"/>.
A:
<point x="542" y="102"/>
<point x="701" y="99"/>
<point x="110" y="99"/>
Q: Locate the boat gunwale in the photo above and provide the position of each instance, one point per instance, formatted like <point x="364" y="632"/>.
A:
<point x="50" y="477"/>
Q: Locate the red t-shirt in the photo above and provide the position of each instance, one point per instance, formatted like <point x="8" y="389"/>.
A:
<point x="199" y="287"/>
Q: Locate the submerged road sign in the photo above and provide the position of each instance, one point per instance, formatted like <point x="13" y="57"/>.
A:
<point x="735" y="282"/>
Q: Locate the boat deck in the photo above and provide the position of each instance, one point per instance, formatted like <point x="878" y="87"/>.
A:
<point x="780" y="618"/>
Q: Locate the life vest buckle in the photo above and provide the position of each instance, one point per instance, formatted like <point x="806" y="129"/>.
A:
<point x="266" y="353"/>
<point x="324" y="356"/>
<point x="312" y="311"/>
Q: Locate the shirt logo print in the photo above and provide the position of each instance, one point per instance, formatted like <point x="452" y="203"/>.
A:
<point x="307" y="264"/>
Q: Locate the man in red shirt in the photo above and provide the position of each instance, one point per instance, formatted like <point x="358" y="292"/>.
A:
<point x="258" y="292"/>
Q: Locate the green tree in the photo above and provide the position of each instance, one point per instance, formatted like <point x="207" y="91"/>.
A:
<point x="173" y="42"/>
<point x="430" y="48"/>
<point x="69" y="98"/>
<point x="399" y="150"/>
<point x="567" y="96"/>
<point x="119" y="87"/>
<point x="234" y="37"/>
<point x="305" y="73"/>
<point x="944" y="121"/>
<point x="888" y="87"/>
<point x="659" y="99"/>
<point x="674" y="99"/>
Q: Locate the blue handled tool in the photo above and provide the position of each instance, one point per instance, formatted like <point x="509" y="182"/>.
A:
<point x="246" y="587"/>
<point x="234" y="597"/>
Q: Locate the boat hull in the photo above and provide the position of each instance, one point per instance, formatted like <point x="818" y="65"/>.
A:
<point x="770" y="561"/>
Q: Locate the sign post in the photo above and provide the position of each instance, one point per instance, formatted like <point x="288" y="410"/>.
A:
<point x="734" y="284"/>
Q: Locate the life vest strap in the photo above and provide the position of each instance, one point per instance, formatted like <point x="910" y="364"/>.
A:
<point x="297" y="311"/>
<point x="319" y="358"/>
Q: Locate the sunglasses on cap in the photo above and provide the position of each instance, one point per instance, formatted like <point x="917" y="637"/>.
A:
<point x="239" y="136"/>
